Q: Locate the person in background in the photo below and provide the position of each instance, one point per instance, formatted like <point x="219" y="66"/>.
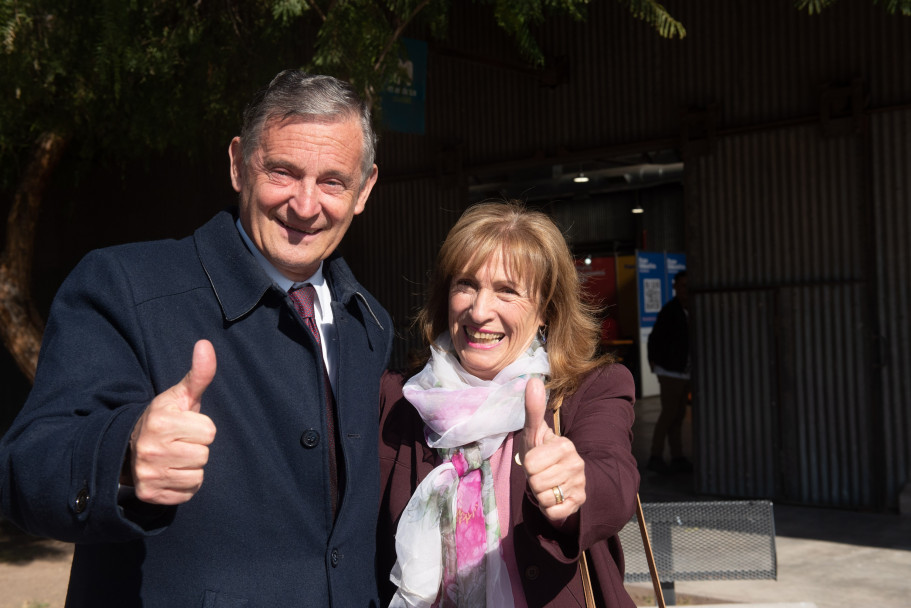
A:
<point x="249" y="480"/>
<point x="669" y="359"/>
<point x="482" y="503"/>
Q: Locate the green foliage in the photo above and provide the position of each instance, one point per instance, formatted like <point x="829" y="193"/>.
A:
<point x="120" y="78"/>
<point x="657" y="16"/>
<point x="360" y="39"/>
<point x="896" y="6"/>
<point x="813" y="6"/>
<point x="517" y="17"/>
<point x="890" y="6"/>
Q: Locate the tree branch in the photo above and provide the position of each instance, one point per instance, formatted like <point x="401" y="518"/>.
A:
<point x="398" y="32"/>
<point x="21" y="326"/>
<point x="315" y="7"/>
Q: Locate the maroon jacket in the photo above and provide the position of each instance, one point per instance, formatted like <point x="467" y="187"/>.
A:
<point x="599" y="419"/>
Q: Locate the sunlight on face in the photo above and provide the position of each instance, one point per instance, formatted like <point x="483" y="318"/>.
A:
<point x="492" y="318"/>
<point x="301" y="190"/>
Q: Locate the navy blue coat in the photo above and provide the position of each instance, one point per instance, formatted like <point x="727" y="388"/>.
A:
<point x="259" y="532"/>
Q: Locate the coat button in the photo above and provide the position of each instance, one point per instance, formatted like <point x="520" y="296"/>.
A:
<point x="82" y="500"/>
<point x="310" y="439"/>
<point x="334" y="557"/>
<point x="532" y="573"/>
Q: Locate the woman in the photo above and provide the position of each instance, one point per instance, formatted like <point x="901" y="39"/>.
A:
<point x="482" y="504"/>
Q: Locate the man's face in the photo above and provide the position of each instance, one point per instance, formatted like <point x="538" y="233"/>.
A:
<point x="680" y="290"/>
<point x="300" y="191"/>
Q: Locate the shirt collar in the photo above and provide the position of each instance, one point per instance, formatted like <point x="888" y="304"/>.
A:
<point x="284" y="283"/>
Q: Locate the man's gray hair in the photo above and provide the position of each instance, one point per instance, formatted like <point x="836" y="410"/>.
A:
<point x="312" y="98"/>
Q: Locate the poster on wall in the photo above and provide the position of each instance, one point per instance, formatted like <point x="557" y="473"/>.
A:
<point x="655" y="272"/>
<point x="403" y="100"/>
<point x="650" y="275"/>
<point x="598" y="276"/>
<point x="674" y="263"/>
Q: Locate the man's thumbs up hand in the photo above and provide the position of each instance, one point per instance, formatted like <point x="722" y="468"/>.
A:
<point x="170" y="442"/>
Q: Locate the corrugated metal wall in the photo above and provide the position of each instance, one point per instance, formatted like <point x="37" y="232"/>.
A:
<point x="392" y="246"/>
<point x="783" y="382"/>
<point x="796" y="221"/>
<point x="891" y="353"/>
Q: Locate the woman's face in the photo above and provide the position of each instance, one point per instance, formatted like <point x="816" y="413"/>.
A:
<point x="492" y="318"/>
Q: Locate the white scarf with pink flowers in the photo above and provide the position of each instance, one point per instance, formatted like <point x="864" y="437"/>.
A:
<point x="448" y="538"/>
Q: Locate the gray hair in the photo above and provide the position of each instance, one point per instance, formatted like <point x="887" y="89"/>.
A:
<point x="312" y="98"/>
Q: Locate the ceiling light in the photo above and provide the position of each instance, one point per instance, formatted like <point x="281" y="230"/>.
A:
<point x="581" y="178"/>
<point x="638" y="209"/>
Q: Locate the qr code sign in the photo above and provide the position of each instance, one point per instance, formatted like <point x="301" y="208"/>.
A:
<point x="651" y="291"/>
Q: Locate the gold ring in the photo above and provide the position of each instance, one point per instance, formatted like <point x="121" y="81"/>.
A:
<point x="558" y="494"/>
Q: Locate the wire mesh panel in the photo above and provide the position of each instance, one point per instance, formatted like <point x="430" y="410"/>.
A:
<point x="700" y="541"/>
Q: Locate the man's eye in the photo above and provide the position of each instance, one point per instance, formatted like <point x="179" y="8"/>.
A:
<point x="332" y="187"/>
<point x="279" y="173"/>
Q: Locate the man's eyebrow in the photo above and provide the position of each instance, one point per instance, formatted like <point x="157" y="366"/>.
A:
<point x="341" y="175"/>
<point x="271" y="163"/>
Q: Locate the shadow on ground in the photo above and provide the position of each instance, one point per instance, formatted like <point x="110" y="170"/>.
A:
<point x="883" y="530"/>
<point x="19" y="548"/>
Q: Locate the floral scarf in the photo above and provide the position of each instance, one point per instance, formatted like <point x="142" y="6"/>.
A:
<point x="448" y="539"/>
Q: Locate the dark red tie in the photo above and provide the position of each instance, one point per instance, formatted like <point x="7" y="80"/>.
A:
<point x="303" y="298"/>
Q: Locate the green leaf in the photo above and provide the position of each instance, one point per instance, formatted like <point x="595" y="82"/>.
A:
<point x="657" y="16"/>
<point x="813" y="6"/>
<point x="896" y="6"/>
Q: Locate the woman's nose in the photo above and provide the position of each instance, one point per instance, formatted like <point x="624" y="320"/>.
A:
<point x="482" y="305"/>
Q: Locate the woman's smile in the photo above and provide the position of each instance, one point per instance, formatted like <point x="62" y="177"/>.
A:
<point x="478" y="338"/>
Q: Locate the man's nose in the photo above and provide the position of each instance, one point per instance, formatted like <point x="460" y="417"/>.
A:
<point x="304" y="199"/>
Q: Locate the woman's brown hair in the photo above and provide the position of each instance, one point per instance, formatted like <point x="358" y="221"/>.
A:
<point x="532" y="248"/>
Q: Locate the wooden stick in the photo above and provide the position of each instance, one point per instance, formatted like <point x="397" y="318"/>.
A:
<point x="650" y="558"/>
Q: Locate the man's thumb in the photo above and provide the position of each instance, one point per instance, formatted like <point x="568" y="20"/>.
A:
<point x="201" y="373"/>
<point x="535" y="405"/>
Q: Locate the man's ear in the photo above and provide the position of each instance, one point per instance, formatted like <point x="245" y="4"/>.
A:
<point x="365" y="191"/>
<point x="235" y="153"/>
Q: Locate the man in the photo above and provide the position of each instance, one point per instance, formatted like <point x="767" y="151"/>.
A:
<point x="251" y="479"/>
<point x="669" y="358"/>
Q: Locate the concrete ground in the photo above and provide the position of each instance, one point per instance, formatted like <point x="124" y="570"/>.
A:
<point x="33" y="572"/>
<point x="828" y="557"/>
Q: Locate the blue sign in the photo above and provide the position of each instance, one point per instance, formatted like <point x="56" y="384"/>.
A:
<point x="674" y="263"/>
<point x="655" y="274"/>
<point x="403" y="101"/>
<point x="650" y="276"/>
